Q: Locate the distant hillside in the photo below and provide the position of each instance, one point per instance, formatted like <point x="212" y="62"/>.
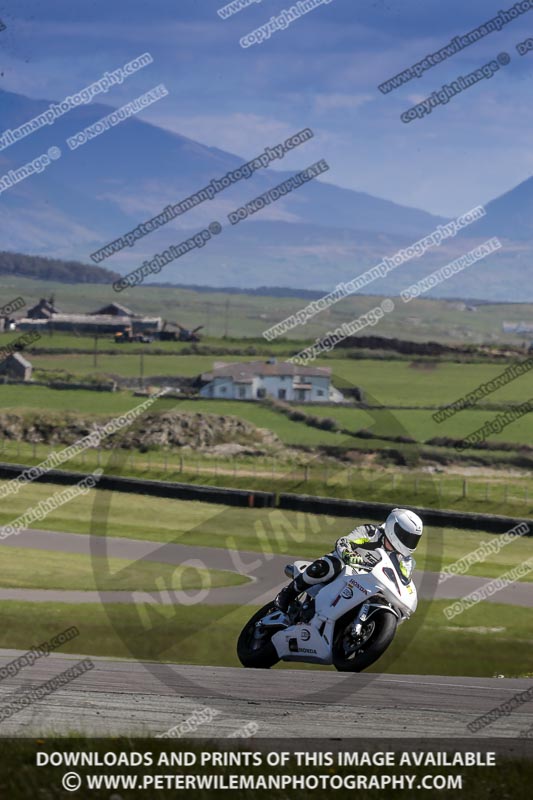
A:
<point x="53" y="269"/>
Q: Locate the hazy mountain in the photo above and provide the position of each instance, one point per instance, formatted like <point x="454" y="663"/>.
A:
<point x="312" y="238"/>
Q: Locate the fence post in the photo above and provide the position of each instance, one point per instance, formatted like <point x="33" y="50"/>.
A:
<point x="465" y="488"/>
<point x="306" y="473"/>
<point x="181" y="463"/>
<point x="506" y="493"/>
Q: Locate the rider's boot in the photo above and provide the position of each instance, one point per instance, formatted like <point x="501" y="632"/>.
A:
<point x="286" y="596"/>
<point x="291" y="592"/>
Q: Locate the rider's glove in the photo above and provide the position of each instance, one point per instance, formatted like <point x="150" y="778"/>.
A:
<point x="351" y="558"/>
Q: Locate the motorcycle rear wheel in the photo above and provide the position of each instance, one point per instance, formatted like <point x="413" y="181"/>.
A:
<point x="350" y="655"/>
<point x="257" y="651"/>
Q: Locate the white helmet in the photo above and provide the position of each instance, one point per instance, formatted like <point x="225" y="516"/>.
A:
<point x="403" y="529"/>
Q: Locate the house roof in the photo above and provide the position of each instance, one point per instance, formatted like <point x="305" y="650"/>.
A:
<point x="19" y="358"/>
<point x="44" y="308"/>
<point x="116" y="309"/>
<point x="249" y="369"/>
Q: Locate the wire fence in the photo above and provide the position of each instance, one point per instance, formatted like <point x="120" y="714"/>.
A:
<point x="391" y="485"/>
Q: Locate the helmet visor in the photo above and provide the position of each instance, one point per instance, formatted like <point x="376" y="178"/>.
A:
<point x="407" y="538"/>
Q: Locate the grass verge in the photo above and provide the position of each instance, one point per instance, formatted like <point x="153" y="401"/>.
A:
<point x="485" y="641"/>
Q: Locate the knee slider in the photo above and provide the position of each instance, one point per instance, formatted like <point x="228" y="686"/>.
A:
<point x="320" y="570"/>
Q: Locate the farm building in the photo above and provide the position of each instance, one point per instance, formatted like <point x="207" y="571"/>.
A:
<point x="95" y="324"/>
<point x="44" y="309"/>
<point x="254" y="380"/>
<point x="17" y="367"/>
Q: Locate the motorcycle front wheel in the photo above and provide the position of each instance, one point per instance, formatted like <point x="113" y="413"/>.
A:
<point x="254" y="646"/>
<point x="354" y="654"/>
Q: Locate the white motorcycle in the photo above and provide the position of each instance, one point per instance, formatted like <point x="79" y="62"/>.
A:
<point x="348" y="622"/>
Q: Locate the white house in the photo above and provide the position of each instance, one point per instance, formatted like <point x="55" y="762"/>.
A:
<point x="253" y="380"/>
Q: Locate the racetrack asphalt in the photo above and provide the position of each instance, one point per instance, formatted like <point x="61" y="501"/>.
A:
<point x="265" y="570"/>
<point x="133" y="698"/>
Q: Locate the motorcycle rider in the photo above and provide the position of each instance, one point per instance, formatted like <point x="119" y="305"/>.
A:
<point x="400" y="534"/>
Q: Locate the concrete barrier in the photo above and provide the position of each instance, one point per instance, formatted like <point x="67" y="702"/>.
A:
<point x="431" y="516"/>
<point x="178" y="491"/>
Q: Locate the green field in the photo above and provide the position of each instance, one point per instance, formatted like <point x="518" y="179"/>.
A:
<point x="419" y="424"/>
<point x="424" y="383"/>
<point x="478" y="644"/>
<point x="393" y="383"/>
<point x="25" y="568"/>
<point x="416" y="423"/>
<point x="238" y="315"/>
<point x="29" y="398"/>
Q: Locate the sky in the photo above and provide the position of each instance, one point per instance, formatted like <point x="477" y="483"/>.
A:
<point x="321" y="72"/>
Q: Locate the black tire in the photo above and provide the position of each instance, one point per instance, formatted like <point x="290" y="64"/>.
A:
<point x="380" y="631"/>
<point x="263" y="655"/>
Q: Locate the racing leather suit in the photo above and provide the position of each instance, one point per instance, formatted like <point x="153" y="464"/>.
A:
<point x="325" y="569"/>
